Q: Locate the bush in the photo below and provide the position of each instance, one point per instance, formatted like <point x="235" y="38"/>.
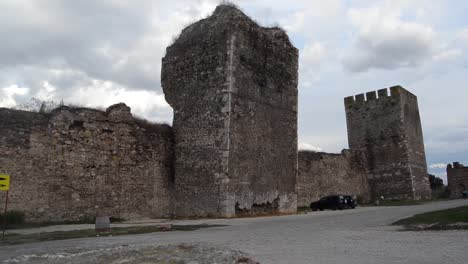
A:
<point x="441" y="193"/>
<point x="12" y="217"/>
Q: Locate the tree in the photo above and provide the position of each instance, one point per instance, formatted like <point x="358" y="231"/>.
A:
<point x="436" y="182"/>
<point x="38" y="105"/>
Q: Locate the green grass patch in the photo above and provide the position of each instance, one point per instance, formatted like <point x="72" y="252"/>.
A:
<point x="454" y="218"/>
<point x="398" y="203"/>
<point x="11" y="239"/>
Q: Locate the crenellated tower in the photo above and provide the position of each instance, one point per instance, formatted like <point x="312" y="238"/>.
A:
<point x="387" y="127"/>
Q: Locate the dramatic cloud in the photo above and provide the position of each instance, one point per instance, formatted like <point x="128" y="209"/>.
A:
<point x="97" y="53"/>
<point x="59" y="49"/>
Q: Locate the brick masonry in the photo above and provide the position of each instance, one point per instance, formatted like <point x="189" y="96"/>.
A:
<point x="457" y="178"/>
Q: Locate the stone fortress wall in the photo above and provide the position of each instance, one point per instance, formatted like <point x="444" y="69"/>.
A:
<point x="232" y="149"/>
<point x="321" y="174"/>
<point x="235" y="116"/>
<point x="388" y="129"/>
<point x="457" y="178"/>
<point x="76" y="163"/>
<point x="386" y="156"/>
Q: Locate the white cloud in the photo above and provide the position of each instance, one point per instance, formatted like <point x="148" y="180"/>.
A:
<point x="438" y="166"/>
<point x="312" y="58"/>
<point x="8" y="94"/>
<point x="463" y="36"/>
<point x="46" y="92"/>
<point x="81" y="41"/>
<point x="309" y="147"/>
<point x="97" y="53"/>
<point x="313" y="17"/>
<point x="91" y="53"/>
<point x="447" y="55"/>
<point x="144" y="103"/>
<point x="384" y="40"/>
<point x="313" y="54"/>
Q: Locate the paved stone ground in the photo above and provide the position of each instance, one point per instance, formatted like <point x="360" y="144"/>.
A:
<point x="350" y="236"/>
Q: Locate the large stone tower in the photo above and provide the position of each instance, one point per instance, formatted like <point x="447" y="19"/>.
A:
<point x="457" y="179"/>
<point x="388" y="129"/>
<point x="233" y="87"/>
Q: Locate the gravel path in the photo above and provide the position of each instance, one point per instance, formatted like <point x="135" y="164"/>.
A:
<point x="356" y="236"/>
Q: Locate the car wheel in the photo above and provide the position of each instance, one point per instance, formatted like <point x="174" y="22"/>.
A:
<point x="314" y="209"/>
<point x="321" y="209"/>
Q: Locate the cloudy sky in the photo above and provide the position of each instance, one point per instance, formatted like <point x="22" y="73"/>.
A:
<point x="99" y="52"/>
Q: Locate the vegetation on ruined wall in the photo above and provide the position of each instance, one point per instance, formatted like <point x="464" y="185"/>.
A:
<point x="47" y="106"/>
<point x="436" y="182"/>
<point x="38" y="106"/>
<point x="439" y="190"/>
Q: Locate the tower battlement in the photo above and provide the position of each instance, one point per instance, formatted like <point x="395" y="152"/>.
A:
<point x="457" y="179"/>
<point x="394" y="92"/>
<point x="386" y="125"/>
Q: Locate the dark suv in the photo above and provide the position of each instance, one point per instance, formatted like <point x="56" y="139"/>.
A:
<point x="334" y="202"/>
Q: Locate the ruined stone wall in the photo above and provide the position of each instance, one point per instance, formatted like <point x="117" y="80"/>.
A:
<point x="321" y="174"/>
<point x="388" y="129"/>
<point x="76" y="163"/>
<point x="233" y="87"/>
<point x="457" y="179"/>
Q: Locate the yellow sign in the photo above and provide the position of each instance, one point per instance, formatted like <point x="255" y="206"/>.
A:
<point x="4" y="182"/>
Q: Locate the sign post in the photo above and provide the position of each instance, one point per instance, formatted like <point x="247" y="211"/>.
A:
<point x="5" y="186"/>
